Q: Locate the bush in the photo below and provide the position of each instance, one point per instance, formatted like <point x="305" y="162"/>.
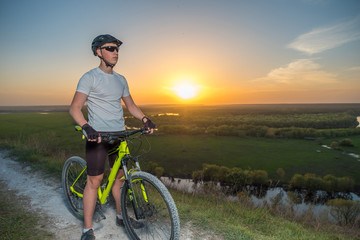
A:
<point x="212" y="172"/>
<point x="328" y="183"/>
<point x="159" y="171"/>
<point x="313" y="183"/>
<point x="257" y="131"/>
<point x="297" y="181"/>
<point x="259" y="177"/>
<point x="197" y="175"/>
<point x="346" y="143"/>
<point x="334" y="145"/>
<point x="344" y="211"/>
<point x="345" y="184"/>
<point x="280" y="172"/>
<point x="238" y="178"/>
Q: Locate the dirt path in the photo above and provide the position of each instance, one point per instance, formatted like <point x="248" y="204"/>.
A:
<point x="46" y="197"/>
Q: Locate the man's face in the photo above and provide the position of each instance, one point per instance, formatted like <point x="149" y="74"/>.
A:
<point x="111" y="57"/>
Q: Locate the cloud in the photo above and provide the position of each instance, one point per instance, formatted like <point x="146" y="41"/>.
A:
<point x="301" y="72"/>
<point x="322" y="39"/>
<point x="355" y="69"/>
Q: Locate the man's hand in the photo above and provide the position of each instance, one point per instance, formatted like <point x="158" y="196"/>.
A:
<point x="148" y="124"/>
<point x="91" y="134"/>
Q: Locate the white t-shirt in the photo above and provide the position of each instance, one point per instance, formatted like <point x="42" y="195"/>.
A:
<point x="104" y="92"/>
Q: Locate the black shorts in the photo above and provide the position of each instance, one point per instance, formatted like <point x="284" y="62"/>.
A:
<point x="96" y="155"/>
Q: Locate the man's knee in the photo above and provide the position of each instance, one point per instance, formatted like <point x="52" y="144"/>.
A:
<point x="94" y="181"/>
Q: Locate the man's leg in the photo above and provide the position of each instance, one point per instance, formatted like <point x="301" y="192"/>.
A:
<point x="90" y="197"/>
<point x="116" y="190"/>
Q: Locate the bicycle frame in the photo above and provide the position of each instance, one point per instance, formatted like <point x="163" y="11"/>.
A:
<point x="123" y="150"/>
<point x="121" y="160"/>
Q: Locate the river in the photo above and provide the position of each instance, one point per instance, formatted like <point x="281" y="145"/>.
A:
<point x="188" y="185"/>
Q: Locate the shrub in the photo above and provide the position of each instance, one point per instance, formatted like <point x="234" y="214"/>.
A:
<point x="313" y="183"/>
<point x="344" y="211"/>
<point x="159" y="171"/>
<point x="345" y="184"/>
<point x="256" y="131"/>
<point x="259" y="177"/>
<point x="334" y="145"/>
<point x="271" y="132"/>
<point x="212" y="172"/>
<point x="280" y="172"/>
<point x="328" y="183"/>
<point x="150" y="167"/>
<point x="346" y="143"/>
<point x="197" y="175"/>
<point x="297" y="181"/>
<point x="238" y="178"/>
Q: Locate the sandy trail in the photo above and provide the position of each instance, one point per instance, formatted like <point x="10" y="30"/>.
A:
<point x="46" y="197"/>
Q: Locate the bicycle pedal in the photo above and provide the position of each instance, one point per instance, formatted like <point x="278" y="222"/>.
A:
<point x="99" y="216"/>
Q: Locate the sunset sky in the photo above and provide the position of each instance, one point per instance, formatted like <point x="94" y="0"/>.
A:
<point x="185" y="51"/>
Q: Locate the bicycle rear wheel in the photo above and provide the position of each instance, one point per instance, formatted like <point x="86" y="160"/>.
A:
<point x="74" y="176"/>
<point x="156" y="209"/>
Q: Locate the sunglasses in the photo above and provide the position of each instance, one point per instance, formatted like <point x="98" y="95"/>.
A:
<point x="111" y="48"/>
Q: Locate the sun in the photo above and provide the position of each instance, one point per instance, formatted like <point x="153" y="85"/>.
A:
<point x="186" y="90"/>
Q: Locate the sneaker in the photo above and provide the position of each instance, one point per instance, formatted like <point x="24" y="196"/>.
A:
<point x="135" y="224"/>
<point x="89" y="235"/>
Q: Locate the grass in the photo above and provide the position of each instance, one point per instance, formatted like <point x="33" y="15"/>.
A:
<point x="184" y="154"/>
<point x="53" y="136"/>
<point x="237" y="220"/>
<point x="48" y="140"/>
<point x="16" y="222"/>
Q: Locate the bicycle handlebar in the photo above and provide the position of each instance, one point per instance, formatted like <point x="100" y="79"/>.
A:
<point x="122" y="135"/>
<point x="117" y="136"/>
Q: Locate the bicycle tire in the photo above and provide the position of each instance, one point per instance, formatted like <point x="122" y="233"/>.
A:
<point x="160" y="216"/>
<point x="71" y="171"/>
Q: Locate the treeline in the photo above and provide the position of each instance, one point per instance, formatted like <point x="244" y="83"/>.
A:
<point x="252" y="109"/>
<point x="316" y="121"/>
<point x="237" y="179"/>
<point x="259" y="131"/>
<point x="285" y="121"/>
<point x="328" y="183"/>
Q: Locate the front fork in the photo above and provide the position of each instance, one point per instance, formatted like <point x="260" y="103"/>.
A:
<point x="139" y="212"/>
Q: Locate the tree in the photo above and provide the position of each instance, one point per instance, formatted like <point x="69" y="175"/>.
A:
<point x="346" y="143"/>
<point x="280" y="172"/>
<point x="334" y="145"/>
<point x="344" y="211"/>
<point x="159" y="171"/>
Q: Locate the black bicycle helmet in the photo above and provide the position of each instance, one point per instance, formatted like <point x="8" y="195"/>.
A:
<point x="101" y="40"/>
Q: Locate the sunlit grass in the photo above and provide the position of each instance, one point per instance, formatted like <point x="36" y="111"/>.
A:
<point x="239" y="220"/>
<point x="16" y="222"/>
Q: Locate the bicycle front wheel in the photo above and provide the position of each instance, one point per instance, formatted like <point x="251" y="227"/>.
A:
<point x="73" y="182"/>
<point x="152" y="206"/>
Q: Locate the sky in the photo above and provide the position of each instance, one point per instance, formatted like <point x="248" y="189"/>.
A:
<point x="185" y="51"/>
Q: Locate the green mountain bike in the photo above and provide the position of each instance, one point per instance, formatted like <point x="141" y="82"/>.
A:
<point x="143" y="196"/>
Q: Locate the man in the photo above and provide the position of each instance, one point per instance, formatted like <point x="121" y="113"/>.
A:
<point x="102" y="89"/>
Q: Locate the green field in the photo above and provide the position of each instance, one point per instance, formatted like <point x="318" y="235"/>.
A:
<point x="52" y="134"/>
<point x="184" y="154"/>
<point x="48" y="138"/>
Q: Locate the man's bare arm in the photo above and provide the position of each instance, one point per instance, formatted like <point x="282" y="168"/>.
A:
<point x="133" y="108"/>
<point x="76" y="106"/>
<point x="76" y="113"/>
